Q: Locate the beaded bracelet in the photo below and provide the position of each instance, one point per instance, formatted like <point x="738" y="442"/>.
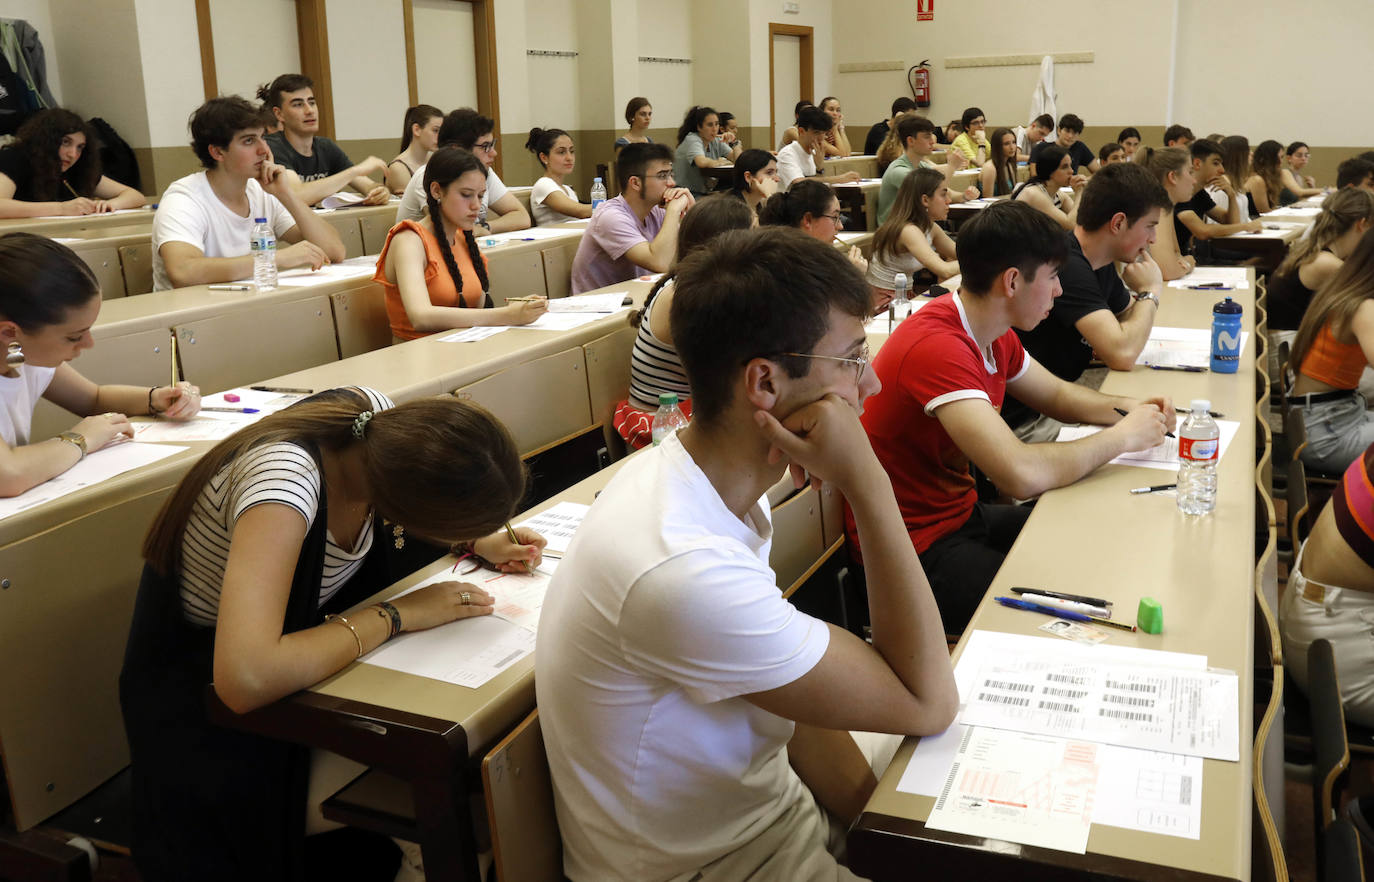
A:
<point x="333" y="619"/>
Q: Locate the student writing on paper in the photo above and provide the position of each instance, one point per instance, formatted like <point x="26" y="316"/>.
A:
<point x="945" y="372"/>
<point x="1052" y="171"/>
<point x="654" y="364"/>
<point x="434" y="275"/>
<point x="286" y="523"/>
<point x="813" y="208"/>
<point x="1314" y="258"/>
<point x="909" y="242"/>
<point x="697" y="724"/>
<point x="500" y="212"/>
<point x="551" y="200"/>
<point x="1172" y="167"/>
<point x="1334" y="345"/>
<point x="1039" y="129"/>
<point x="756" y="178"/>
<point x="203" y="224"/>
<point x="419" y="139"/>
<point x="639" y="115"/>
<point x="54" y="169"/>
<point x="321" y="167"/>
<point x="700" y="145"/>
<point x="49" y="299"/>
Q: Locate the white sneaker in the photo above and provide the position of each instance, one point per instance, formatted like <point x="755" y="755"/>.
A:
<point x="412" y="864"/>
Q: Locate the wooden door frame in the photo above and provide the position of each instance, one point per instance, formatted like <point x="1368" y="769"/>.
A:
<point x="484" y="56"/>
<point x="808" y="67"/>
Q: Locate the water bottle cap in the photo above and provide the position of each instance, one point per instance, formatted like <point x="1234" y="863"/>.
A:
<point x="259" y="220"/>
<point x="1227" y="307"/>
<point x="899" y="280"/>
<point x="1201" y="405"/>
<point x="667" y="399"/>
<point x="596" y="180"/>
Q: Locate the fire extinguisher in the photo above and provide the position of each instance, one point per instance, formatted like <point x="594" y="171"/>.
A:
<point x="919" y="79"/>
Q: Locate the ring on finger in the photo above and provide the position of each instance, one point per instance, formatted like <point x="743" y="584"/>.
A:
<point x="466" y="598"/>
<point x="111" y="415"/>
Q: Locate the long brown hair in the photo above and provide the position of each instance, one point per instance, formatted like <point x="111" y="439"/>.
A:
<point x="40" y="137"/>
<point x="1340" y="211"/>
<point x="447" y="165"/>
<point x="443" y="467"/>
<point x="1235" y="158"/>
<point x="1337" y="300"/>
<point x="907" y="208"/>
<point x="1003" y="166"/>
<point x="708" y="219"/>
<point x="1266" y="165"/>
<point x="419" y="115"/>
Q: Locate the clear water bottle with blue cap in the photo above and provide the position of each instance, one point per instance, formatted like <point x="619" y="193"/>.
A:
<point x="1226" y="317"/>
<point x="264" y="247"/>
<point x="598" y="193"/>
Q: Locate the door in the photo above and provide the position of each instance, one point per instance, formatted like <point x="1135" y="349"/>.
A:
<point x="790" y="64"/>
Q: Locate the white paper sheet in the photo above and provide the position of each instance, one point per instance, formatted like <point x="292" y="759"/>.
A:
<point x="472" y="335"/>
<point x="1230" y="277"/>
<point x="533" y="234"/>
<point x="1181" y="346"/>
<point x="99" y="465"/>
<point x="1165" y="456"/>
<point x="558" y="524"/>
<point x="1031" y="789"/>
<point x="264" y="402"/>
<point x="199" y="428"/>
<point x="144" y="210"/>
<point x="342" y="199"/>
<point x="304" y="277"/>
<point x="611" y="301"/>
<point x="1150" y="790"/>
<point x="566" y="321"/>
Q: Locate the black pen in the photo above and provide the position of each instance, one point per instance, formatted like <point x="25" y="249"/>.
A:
<point x="1216" y="415"/>
<point x="1188" y="368"/>
<point x="1077" y="598"/>
<point x="1155" y="489"/>
<point x="1123" y="413"/>
<point x="282" y="391"/>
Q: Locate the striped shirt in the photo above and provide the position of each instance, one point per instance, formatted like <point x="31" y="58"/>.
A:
<point x="1353" y="502"/>
<point x="283" y="473"/>
<point x="655" y="367"/>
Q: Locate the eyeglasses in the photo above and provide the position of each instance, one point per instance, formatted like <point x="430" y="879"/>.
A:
<point x="839" y="218"/>
<point x="860" y="362"/>
<point x="665" y="176"/>
<point x="485" y="146"/>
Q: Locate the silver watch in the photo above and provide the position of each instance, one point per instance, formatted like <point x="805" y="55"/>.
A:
<point x="1147" y="295"/>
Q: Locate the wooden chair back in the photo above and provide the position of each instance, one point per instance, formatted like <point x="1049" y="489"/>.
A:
<point x="520" y="807"/>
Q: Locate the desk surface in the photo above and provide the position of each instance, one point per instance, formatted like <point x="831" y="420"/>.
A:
<point x="1202" y="571"/>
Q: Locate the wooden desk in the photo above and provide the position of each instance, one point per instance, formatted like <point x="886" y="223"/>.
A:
<point x="1202" y="570"/>
<point x="90" y="224"/>
<point x="866" y="166"/>
<point x="859" y="200"/>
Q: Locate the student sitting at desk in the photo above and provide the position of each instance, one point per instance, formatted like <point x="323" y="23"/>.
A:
<point x="1053" y="171"/>
<point x="434" y="281"/>
<point x="697" y="724"/>
<point x="1235" y="161"/>
<point x="1330" y="593"/>
<point x="1200" y="218"/>
<point x="973" y="141"/>
<point x="277" y="526"/>
<point x="700" y="145"/>
<point x="1110" y="153"/>
<point x="878" y="131"/>
<point x="654" y="364"/>
<point x="1038" y="130"/>
<point x="805" y="157"/>
<point x="1355" y="172"/>
<point x="1080" y="154"/>
<point x="1178" y="136"/>
<point x="1099" y="314"/>
<point x="999" y="172"/>
<point x="917" y="137"/>
<point x="909" y="241"/>
<point x="321" y="165"/>
<point x="891" y="148"/>
<point x="1265" y="186"/>
<point x="1129" y="139"/>
<point x="551" y="200"/>
<point x="792" y="132"/>
<point x="636" y="232"/>
<point x="1172" y="167"/>
<point x="501" y="212"/>
<point x="1314" y="258"/>
<point x="756" y="177"/>
<point x="50" y="171"/>
<point x="944" y="373"/>
<point x="203" y="224"/>
<point x="639" y="113"/>
<point x="49" y="299"/>
<point x="419" y="139"/>
<point x="1299" y="154"/>
<point x="1334" y="345"/>
<point x="813" y="208"/>
<point x="837" y="139"/>
<point x="729" y="125"/>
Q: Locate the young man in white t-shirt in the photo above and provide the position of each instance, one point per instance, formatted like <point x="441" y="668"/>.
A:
<point x="805" y="157"/>
<point x="697" y="724"/>
<point x="501" y="212"/>
<point x="203" y="224"/>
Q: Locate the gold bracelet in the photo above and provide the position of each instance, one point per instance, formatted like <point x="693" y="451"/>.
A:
<point x="349" y="625"/>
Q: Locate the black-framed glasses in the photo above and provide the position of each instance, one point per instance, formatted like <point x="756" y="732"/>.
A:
<point x="860" y="361"/>
<point x="839" y="218"/>
<point x="665" y="176"/>
<point x="485" y="146"/>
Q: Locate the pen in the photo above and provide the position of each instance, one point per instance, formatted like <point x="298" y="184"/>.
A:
<point x="173" y="350"/>
<point x="1059" y="595"/>
<point x="510" y="531"/>
<point x="524" y="299"/>
<point x="230" y="287"/>
<point x="1211" y="286"/>
<point x="1123" y="413"/>
<point x="1155" y="489"/>
<point x="281" y="390"/>
<point x="1215" y="414"/>
<point x="1188" y="368"/>
<point x="1087" y="609"/>
<point x="231" y="409"/>
<point x="1061" y="613"/>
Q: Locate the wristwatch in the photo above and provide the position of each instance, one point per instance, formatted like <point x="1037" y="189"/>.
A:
<point x="1147" y="295"/>
<point x="76" y="439"/>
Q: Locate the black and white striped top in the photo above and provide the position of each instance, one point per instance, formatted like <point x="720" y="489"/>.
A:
<point x="655" y="367"/>
<point x="283" y="473"/>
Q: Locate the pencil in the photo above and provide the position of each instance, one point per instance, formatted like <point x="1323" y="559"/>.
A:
<point x="70" y="189"/>
<point x="510" y="531"/>
<point x="524" y="299"/>
<point x="173" y="350"/>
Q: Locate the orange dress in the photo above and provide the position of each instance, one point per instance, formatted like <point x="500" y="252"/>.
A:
<point x="442" y="291"/>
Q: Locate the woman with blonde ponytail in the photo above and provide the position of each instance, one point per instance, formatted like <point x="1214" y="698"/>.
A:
<point x="434" y="276"/>
<point x="252" y="566"/>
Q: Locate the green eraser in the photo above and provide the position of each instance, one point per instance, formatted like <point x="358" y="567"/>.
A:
<point x="1150" y="616"/>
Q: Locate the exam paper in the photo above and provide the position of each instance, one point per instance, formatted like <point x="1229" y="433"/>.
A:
<point x="558" y="524"/>
<point x="611" y="301"/>
<point x="352" y="268"/>
<point x="1165" y="456"/>
<point x="532" y="234"/>
<point x="99" y="465"/>
<point x="1181" y="346"/>
<point x="198" y="428"/>
<point x="143" y="210"/>
<point x="566" y="321"/>
<point x="472" y="335"/>
<point x="1232" y="277"/>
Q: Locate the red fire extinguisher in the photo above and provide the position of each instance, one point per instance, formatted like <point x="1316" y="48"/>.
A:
<point x="919" y="78"/>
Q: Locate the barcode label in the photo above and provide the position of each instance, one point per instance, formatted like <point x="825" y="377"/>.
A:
<point x="1185" y="790"/>
<point x="1065" y="693"/>
<point x="1013" y="687"/>
<point x="1014" y="700"/>
<point x="1065" y="678"/>
<point x="1132" y="687"/>
<point x="1137" y="716"/>
<point x="1058" y="706"/>
<point x="1133" y="700"/>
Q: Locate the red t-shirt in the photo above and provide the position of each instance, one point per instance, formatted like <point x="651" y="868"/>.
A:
<point x="930" y="360"/>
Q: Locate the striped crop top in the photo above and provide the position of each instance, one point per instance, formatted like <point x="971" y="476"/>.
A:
<point x="655" y="367"/>
<point x="1353" y="505"/>
<point x="1336" y="364"/>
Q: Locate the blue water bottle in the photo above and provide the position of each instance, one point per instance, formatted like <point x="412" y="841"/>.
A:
<point x="1226" y="337"/>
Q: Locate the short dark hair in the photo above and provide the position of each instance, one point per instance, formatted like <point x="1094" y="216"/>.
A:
<point x="1176" y="131"/>
<point x="724" y="117"/>
<point x="756" y="294"/>
<point x="1294" y="147"/>
<point x="1367" y="156"/>
<point x="1044" y="121"/>
<point x="214" y="123"/>
<point x="751" y="161"/>
<point x="41" y="280"/>
<point x="911" y="126"/>
<point x="970" y="114"/>
<point x="902" y="105"/>
<point x="800" y="106"/>
<point x="1128" y="132"/>
<point x="1107" y="150"/>
<point x="1006" y="234"/>
<point x="463" y="127"/>
<point x="787" y="208"/>
<point x="633" y="159"/>
<point x="1203" y="148"/>
<point x="1120" y="188"/>
<point x="814" y="119"/>
<point x="633" y="107"/>
<point x="1072" y="122"/>
<point x="1353" y="172"/>
<point x="1047" y="162"/>
<point x="270" y="94"/>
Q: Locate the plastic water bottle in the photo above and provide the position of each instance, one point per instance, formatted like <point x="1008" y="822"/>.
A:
<point x="264" y="245"/>
<point x="901" y="306"/>
<point x="1197" y="460"/>
<point x="598" y="193"/>
<point x="1226" y="337"/>
<point x="668" y="418"/>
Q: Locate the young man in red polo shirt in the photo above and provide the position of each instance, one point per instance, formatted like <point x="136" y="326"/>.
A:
<point x="944" y="373"/>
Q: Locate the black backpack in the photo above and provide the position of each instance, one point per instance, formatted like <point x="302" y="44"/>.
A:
<point x="117" y="160"/>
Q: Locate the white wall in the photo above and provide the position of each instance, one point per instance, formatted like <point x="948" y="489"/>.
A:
<point x="255" y="42"/>
<point x="815" y="14"/>
<point x="445" y="58"/>
<point x="171" y="69"/>
<point x="39" y="14"/>
<point x="95" y="39"/>
<point x="665" y="31"/>
<point x="555" y="99"/>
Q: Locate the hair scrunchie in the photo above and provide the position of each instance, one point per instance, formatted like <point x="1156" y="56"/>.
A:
<point x="361" y="422"/>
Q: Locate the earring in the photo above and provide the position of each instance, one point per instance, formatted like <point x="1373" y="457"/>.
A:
<point x="398" y="533"/>
<point x="15" y="356"/>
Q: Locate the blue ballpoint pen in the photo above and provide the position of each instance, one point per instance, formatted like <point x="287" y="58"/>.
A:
<point x="1061" y="613"/>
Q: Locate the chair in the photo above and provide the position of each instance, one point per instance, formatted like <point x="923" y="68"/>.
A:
<point x="1295" y="430"/>
<point x="1299" y="515"/>
<point x="1331" y="750"/>
<point x="1342" y="862"/>
<point x="136" y="262"/>
<point x="526" y="846"/>
<point x="608" y="382"/>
